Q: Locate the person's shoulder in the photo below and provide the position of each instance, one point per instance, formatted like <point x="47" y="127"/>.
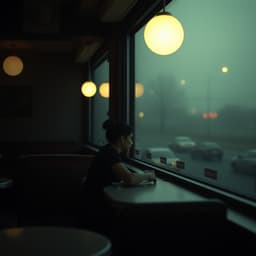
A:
<point x="108" y="151"/>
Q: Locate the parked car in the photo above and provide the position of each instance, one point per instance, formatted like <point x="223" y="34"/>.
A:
<point x="207" y="151"/>
<point x="160" y="156"/>
<point x="182" y="144"/>
<point x="246" y="162"/>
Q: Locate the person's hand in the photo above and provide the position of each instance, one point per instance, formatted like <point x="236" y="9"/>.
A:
<point x="151" y="175"/>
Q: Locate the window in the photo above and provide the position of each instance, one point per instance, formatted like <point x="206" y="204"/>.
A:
<point x="200" y="101"/>
<point x="100" y="103"/>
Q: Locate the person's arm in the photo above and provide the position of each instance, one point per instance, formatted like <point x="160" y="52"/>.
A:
<point x="130" y="178"/>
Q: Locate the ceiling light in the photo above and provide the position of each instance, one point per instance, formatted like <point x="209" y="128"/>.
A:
<point x="104" y="90"/>
<point x="164" y="33"/>
<point x="12" y="65"/>
<point x="139" y="90"/>
<point x="88" y="89"/>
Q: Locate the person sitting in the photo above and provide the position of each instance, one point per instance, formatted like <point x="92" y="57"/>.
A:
<point x="108" y="167"/>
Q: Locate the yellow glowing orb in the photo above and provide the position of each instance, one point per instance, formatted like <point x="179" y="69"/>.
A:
<point x="12" y="65"/>
<point x="164" y="34"/>
<point x="224" y="69"/>
<point x="88" y="89"/>
<point x="139" y="90"/>
<point x="104" y="90"/>
<point x="141" y="114"/>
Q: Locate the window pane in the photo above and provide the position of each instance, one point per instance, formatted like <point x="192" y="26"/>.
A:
<point x="200" y="101"/>
<point x="100" y="103"/>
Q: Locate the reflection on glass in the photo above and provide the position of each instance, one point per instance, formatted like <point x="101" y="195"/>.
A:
<point x="139" y="90"/>
<point x="205" y="91"/>
<point x="104" y="90"/>
<point x="99" y="105"/>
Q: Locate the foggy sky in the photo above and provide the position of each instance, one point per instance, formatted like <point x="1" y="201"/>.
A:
<point x="217" y="34"/>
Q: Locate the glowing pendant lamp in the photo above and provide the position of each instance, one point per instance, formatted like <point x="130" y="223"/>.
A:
<point x="164" y="33"/>
<point x="104" y="90"/>
<point x="12" y="65"/>
<point x="88" y="88"/>
<point x="139" y="90"/>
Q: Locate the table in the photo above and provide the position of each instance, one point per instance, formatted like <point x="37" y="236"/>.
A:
<point x="162" y="192"/>
<point x="53" y="241"/>
<point x="164" y="201"/>
<point x="163" y="216"/>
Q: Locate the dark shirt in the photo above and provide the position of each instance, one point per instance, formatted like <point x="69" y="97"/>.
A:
<point x="100" y="173"/>
<point x="95" y="213"/>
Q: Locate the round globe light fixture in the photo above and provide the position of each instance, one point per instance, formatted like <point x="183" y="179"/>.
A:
<point x="13" y="65"/>
<point x="164" y="34"/>
<point x="88" y="89"/>
<point x="104" y="90"/>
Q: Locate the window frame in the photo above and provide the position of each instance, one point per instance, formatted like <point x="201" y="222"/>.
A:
<point x="134" y="21"/>
<point x="233" y="200"/>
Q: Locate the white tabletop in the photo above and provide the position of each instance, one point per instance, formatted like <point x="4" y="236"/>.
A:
<point x="53" y="241"/>
<point x="160" y="192"/>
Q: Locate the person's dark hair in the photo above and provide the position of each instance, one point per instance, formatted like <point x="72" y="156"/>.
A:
<point x="115" y="130"/>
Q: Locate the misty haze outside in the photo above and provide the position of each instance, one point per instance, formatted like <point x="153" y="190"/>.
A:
<point x="206" y="91"/>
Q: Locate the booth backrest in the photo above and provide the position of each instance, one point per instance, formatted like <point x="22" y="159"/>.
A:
<point x="51" y="178"/>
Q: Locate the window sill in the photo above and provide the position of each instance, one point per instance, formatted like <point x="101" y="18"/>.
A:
<point x="240" y="211"/>
<point x="242" y="220"/>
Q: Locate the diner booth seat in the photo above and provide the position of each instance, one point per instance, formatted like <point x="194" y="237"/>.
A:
<point x="48" y="187"/>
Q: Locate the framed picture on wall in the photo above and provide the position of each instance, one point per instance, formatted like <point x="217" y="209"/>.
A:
<point x="15" y="101"/>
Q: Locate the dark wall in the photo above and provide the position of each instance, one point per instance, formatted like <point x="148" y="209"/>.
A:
<point x="43" y="103"/>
